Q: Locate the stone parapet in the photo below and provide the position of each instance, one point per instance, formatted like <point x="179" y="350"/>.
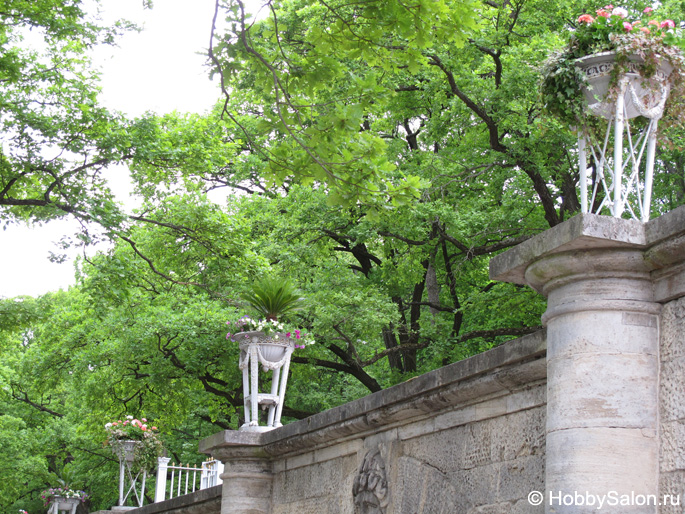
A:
<point x="206" y="501"/>
<point x="494" y="373"/>
<point x="427" y="438"/>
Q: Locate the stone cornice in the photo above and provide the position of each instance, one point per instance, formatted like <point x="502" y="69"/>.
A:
<point x="514" y="365"/>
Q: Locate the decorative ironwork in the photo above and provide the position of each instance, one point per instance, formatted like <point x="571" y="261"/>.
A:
<point x="623" y="172"/>
<point x="129" y="477"/>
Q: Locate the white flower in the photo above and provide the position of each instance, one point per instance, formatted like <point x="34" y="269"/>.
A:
<point x="620" y="12"/>
<point x="108" y="425"/>
<point x="129" y="417"/>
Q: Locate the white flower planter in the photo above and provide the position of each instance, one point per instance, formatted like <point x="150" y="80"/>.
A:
<point x="272" y="348"/>
<point x="125" y="450"/>
<point x="61" y="504"/>
<point x="273" y="353"/>
<point x="597" y="69"/>
<point x="620" y="184"/>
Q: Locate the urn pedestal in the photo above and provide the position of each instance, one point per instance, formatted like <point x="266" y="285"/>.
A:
<point x="61" y="504"/>
<point x="622" y="180"/>
<point x="130" y="480"/>
<point x="272" y="352"/>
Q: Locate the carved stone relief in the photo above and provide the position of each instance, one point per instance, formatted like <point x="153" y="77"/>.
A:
<point x="370" y="488"/>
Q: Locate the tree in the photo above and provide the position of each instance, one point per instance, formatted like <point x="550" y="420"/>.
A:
<point x="55" y="139"/>
<point x="371" y="153"/>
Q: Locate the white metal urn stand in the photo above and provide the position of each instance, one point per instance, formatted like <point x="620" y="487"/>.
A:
<point x="64" y="505"/>
<point x="618" y="170"/>
<point x="273" y="353"/>
<point x="128" y="480"/>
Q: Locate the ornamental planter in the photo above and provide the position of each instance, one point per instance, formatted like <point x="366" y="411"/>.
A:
<point x="125" y="450"/>
<point x="641" y="94"/>
<point x="272" y="348"/>
<point x="272" y="352"/>
<point x="620" y="187"/>
<point x="128" y="478"/>
<point x="61" y="504"/>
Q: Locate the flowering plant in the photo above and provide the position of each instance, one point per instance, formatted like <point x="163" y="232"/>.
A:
<point x="49" y="495"/>
<point x="130" y="429"/>
<point x="602" y="32"/>
<point x="149" y="445"/>
<point x="624" y="32"/>
<point x="269" y="328"/>
<point x="22" y="511"/>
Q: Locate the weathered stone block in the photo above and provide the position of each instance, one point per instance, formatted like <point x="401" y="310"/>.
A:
<point x="672" y="390"/>
<point x="673" y="330"/>
<point x="672" y="492"/>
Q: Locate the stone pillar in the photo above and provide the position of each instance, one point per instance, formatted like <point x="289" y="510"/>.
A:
<point x="247" y="477"/>
<point x="602" y="362"/>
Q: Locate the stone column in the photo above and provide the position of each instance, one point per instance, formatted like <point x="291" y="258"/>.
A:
<point x="602" y="362"/>
<point x="247" y="477"/>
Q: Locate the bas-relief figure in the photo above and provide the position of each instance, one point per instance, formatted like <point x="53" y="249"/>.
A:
<point x="370" y="488"/>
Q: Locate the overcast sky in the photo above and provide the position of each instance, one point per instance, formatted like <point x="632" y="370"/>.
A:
<point x="160" y="69"/>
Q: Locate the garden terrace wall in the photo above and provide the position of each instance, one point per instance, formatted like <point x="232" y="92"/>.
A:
<point x="593" y="405"/>
<point x="461" y="438"/>
<point x="206" y="501"/>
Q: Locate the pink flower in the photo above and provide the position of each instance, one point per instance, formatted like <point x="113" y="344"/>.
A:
<point x="287" y="334"/>
<point x="645" y="30"/>
<point x="654" y="22"/>
<point x="627" y="26"/>
<point x="585" y="18"/>
<point x="297" y="334"/>
<point x="228" y="336"/>
<point x="648" y="10"/>
<point x="667" y="24"/>
<point x="154" y="428"/>
<point x="608" y="7"/>
<point x="603" y="13"/>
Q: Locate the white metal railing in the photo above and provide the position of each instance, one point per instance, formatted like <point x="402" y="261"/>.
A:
<point x="211" y="473"/>
<point x="179" y="480"/>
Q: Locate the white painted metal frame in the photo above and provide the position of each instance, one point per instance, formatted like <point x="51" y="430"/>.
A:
<point x="618" y="173"/>
<point x="272" y="353"/>
<point x="128" y="478"/>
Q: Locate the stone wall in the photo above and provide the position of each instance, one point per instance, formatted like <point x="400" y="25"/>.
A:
<point x="672" y="404"/>
<point x="206" y="501"/>
<point x="467" y="438"/>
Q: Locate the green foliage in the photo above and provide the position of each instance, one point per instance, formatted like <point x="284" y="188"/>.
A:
<point x="273" y="297"/>
<point x="376" y="153"/>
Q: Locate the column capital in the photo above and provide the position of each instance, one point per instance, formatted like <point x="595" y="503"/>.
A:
<point x="581" y="233"/>
<point x="604" y="245"/>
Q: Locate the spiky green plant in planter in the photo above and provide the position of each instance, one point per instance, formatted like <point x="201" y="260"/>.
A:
<point x="274" y="297"/>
